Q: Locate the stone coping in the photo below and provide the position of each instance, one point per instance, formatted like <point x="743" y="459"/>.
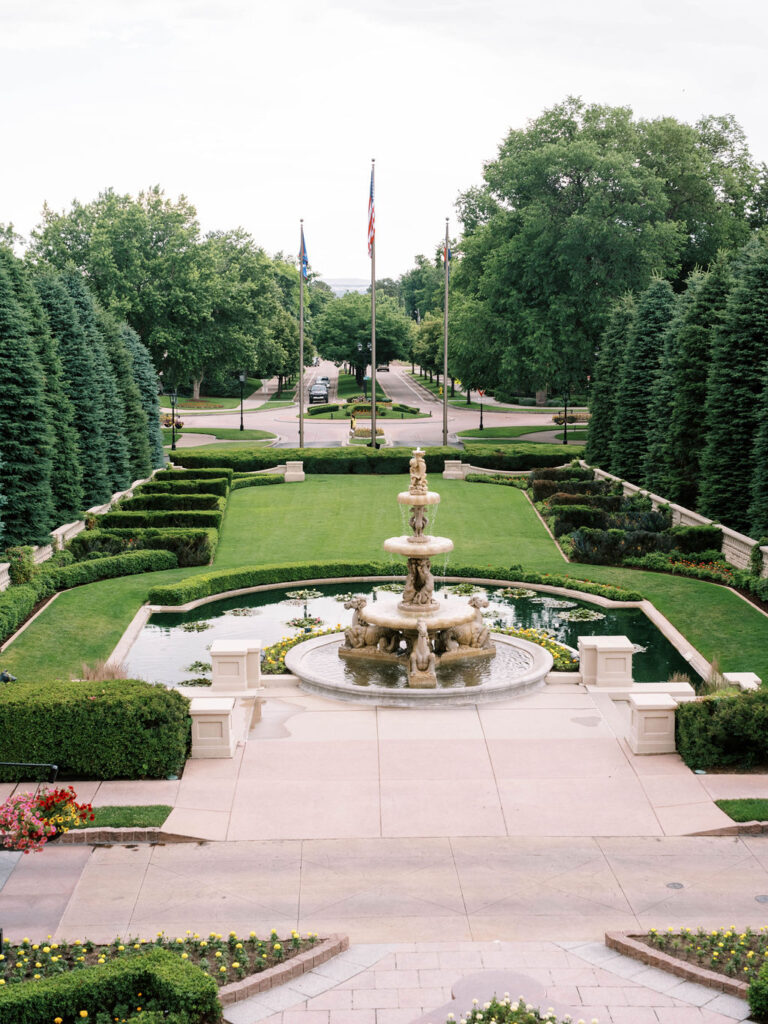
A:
<point x="278" y="975"/>
<point x="629" y="944"/>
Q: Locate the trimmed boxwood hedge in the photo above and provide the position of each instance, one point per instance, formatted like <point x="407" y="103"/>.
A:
<point x="157" y="980"/>
<point x="172" y="502"/>
<point x="135" y="520"/>
<point x="543" y="489"/>
<point x="609" y="547"/>
<point x="191" y="547"/>
<point x="564" y="473"/>
<point x="608" y="502"/>
<point x="198" y="473"/>
<point x="211" y="485"/>
<point x="690" y="539"/>
<point x="365" y="460"/>
<point x="117" y="729"/>
<point x="207" y="584"/>
<point x="259" y="480"/>
<point x="724" y="731"/>
<point x="570" y="517"/>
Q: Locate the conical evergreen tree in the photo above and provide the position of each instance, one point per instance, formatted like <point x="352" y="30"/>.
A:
<point x="66" y="472"/>
<point x="25" y="440"/>
<point x="602" y="403"/>
<point x="734" y="389"/>
<point x="113" y="425"/>
<point x="699" y="318"/>
<point x="758" y="509"/>
<point x="81" y="386"/>
<point x="136" y="430"/>
<point x="657" y="461"/>
<point x="639" y="370"/>
<point x="146" y="378"/>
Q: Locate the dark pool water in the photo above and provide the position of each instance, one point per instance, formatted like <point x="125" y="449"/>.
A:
<point x="165" y="649"/>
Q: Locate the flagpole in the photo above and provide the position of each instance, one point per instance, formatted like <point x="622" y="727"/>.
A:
<point x="301" y="338"/>
<point x="374" y="443"/>
<point x="445" y="341"/>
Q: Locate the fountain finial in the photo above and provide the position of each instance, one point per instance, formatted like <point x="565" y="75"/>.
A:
<point x="418" y="473"/>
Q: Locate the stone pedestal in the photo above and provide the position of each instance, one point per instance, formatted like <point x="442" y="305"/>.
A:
<point x="606" y="660"/>
<point x="422" y="680"/>
<point x="212" y="727"/>
<point x="652" y="726"/>
<point x="236" y="664"/>
<point x="744" y="680"/>
<point x="294" y="472"/>
<point x="453" y="470"/>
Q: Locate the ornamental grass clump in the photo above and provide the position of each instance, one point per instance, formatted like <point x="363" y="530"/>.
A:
<point x="29" y="820"/>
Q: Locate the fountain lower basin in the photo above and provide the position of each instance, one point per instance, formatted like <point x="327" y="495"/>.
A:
<point x="519" y="667"/>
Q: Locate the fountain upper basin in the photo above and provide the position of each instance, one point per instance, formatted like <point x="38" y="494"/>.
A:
<point x="427" y="498"/>
<point x="424" y="547"/>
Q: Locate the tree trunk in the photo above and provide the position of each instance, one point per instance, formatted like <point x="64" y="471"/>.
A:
<point x="196" y="382"/>
<point x="453" y="387"/>
<point x="468" y="396"/>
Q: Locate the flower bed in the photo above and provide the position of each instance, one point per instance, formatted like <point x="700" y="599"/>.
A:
<point x="504" y="1011"/>
<point x="225" y="959"/>
<point x="28" y="820"/>
<point x="564" y="659"/>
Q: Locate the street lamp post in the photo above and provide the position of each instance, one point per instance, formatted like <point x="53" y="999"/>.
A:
<point x="565" y="415"/>
<point x="241" y="378"/>
<point x="173" y="397"/>
<point x="481" y="392"/>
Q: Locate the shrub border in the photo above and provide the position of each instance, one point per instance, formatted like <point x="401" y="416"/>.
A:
<point x="628" y="944"/>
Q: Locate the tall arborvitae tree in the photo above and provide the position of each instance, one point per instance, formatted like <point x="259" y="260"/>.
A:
<point x="639" y="370"/>
<point x="113" y="425"/>
<point x="66" y="472"/>
<point x="657" y="461"/>
<point x="733" y="391"/>
<point x="758" y="508"/>
<point x="25" y="440"/>
<point x="602" y="401"/>
<point x="81" y="386"/>
<point x="146" y="378"/>
<point x="699" y="317"/>
<point x="136" y="424"/>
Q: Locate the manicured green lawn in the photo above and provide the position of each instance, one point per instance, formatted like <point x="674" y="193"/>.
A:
<point x="130" y="816"/>
<point x="199" y="403"/>
<point x="495" y="432"/>
<point x="221" y="433"/>
<point x="348" y="517"/>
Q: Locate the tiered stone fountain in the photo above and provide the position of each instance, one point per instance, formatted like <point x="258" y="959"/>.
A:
<point x="418" y="631"/>
<point x="441" y="647"/>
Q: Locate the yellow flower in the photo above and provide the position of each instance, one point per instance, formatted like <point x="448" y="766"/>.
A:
<point x="83" y="1013"/>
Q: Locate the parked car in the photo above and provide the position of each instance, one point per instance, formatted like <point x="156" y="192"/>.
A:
<point x="318" y="393"/>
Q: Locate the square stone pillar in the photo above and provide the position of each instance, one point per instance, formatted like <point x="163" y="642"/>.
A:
<point x="294" y="472"/>
<point x="606" y="660"/>
<point x="453" y="470"/>
<point x="212" y="731"/>
<point x="652" y="726"/>
<point x="236" y="664"/>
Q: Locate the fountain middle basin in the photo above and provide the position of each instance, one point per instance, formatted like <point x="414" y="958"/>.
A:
<point x="519" y="667"/>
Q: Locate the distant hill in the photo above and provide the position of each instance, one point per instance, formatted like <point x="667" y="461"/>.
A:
<point x="341" y="285"/>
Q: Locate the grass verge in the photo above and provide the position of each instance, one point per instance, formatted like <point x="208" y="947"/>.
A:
<point x="747" y="809"/>
<point x="130" y="816"/>
<point x="220" y="433"/>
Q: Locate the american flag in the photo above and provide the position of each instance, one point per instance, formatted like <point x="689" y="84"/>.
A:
<point x="304" y="259"/>
<point x="371" y="219"/>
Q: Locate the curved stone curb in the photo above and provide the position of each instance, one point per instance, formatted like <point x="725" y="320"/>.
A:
<point x="739" y="828"/>
<point x="626" y="943"/>
<point x="102" y="836"/>
<point x="274" y="976"/>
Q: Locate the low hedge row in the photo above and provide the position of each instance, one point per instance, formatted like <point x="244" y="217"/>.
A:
<point x="522" y="456"/>
<point x="315" y="410"/>
<point x="119" y="729"/>
<point x="610" y="547"/>
<point x="197" y="473"/>
<point x="573" y="472"/>
<point x="158" y="981"/>
<point x="568" y="518"/>
<point x="607" y="502"/>
<point x="724" y="731"/>
<point x="485" y="478"/>
<point x="191" y="547"/>
<point x="211" y="485"/>
<point x="259" y="480"/>
<point x="690" y="539"/>
<point x="543" y="489"/>
<point x="207" y="584"/>
<point x="173" y="502"/>
<point x="18" y="603"/>
<point x="137" y="520"/>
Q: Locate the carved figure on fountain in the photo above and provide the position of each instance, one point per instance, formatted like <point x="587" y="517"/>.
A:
<point x="474" y="634"/>
<point x="362" y="634"/>
<point x="420" y="585"/>
<point x="418" y="522"/>
<point x="418" y="473"/>
<point x="421" y="663"/>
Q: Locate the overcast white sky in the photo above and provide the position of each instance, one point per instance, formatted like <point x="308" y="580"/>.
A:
<point x="264" y="112"/>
